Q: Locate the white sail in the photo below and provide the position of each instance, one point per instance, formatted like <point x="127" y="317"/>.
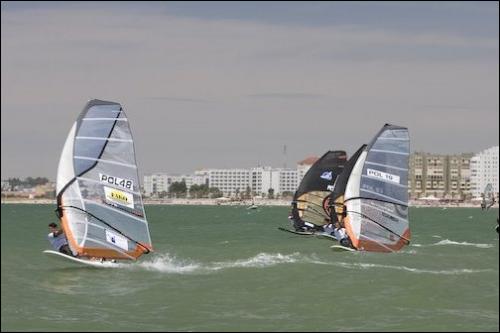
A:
<point x="376" y="195"/>
<point x="98" y="189"/>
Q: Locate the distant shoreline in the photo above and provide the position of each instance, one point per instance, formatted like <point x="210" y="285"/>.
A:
<point x="215" y="202"/>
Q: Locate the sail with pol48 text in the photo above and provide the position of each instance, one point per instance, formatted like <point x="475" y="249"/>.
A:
<point x="98" y="190"/>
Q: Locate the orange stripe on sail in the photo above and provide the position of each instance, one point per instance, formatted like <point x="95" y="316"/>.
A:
<point x="69" y="236"/>
<point x="110" y="254"/>
<point x="350" y="232"/>
<point x="367" y="245"/>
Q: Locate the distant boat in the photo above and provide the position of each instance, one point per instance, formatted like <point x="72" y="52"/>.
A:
<point x="488" y="197"/>
<point x="376" y="192"/>
<point x="253" y="206"/>
<point x="313" y="194"/>
<point x="98" y="191"/>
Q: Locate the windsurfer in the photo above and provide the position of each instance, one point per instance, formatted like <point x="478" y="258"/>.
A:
<point x="297" y="221"/>
<point x="58" y="240"/>
<point x="328" y="227"/>
<point x="299" y="224"/>
<point x="341" y="235"/>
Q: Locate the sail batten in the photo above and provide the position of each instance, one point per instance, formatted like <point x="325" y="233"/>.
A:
<point x="386" y="166"/>
<point x="388" y="152"/>
<point x="98" y="188"/>
<point x="105" y="161"/>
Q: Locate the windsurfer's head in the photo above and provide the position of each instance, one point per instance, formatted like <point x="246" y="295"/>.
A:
<point x="52" y="226"/>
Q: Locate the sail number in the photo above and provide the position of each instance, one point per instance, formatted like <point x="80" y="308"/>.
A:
<point x="125" y="183"/>
<point x="383" y="175"/>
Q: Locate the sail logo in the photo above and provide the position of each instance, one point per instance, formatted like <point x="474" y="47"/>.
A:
<point x="383" y="175"/>
<point x="116" y="240"/>
<point x="119" y="197"/>
<point x="327" y="175"/>
<point x="330" y="188"/>
<point x="111" y="180"/>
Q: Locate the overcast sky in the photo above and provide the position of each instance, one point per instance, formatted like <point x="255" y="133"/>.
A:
<point x="219" y="85"/>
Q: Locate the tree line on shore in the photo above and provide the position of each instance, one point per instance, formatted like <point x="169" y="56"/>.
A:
<point x="180" y="190"/>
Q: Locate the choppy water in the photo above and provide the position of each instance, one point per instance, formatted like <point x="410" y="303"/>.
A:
<point x="230" y="269"/>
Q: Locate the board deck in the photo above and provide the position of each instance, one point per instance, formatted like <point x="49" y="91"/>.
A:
<point x="341" y="248"/>
<point x="326" y="235"/>
<point x="309" y="233"/>
<point x="93" y="263"/>
<point x="303" y="233"/>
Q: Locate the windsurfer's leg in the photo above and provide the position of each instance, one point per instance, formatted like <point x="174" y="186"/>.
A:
<point x="66" y="250"/>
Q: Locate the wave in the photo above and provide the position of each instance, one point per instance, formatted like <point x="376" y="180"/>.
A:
<point x="450" y="242"/>
<point x="167" y="263"/>
<point x="411" y="269"/>
<point x="260" y="260"/>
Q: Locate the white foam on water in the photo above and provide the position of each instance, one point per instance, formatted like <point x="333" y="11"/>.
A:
<point x="450" y="242"/>
<point x="167" y="263"/>
<point x="260" y="260"/>
<point x="411" y="269"/>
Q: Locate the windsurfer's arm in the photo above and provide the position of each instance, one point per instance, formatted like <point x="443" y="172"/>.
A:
<point x="57" y="233"/>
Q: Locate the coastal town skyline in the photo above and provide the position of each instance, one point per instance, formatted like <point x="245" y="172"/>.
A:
<point x="292" y="165"/>
<point x="229" y="85"/>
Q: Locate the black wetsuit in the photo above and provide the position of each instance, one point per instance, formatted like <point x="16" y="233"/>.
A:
<point x="298" y="224"/>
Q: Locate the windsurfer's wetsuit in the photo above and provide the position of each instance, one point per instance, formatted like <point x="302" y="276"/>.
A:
<point x="298" y="224"/>
<point x="342" y="237"/>
<point x="59" y="243"/>
<point x="301" y="225"/>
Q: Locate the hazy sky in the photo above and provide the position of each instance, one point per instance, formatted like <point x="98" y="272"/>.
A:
<point x="217" y="85"/>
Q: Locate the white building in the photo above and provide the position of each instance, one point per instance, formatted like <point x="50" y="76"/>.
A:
<point x="259" y="180"/>
<point x="160" y="182"/>
<point x="200" y="177"/>
<point x="264" y="179"/>
<point x="484" y="170"/>
<point x="304" y="166"/>
<point x="232" y="181"/>
<point x="229" y="181"/>
<point x="289" y="180"/>
<point x="155" y="183"/>
<point x="5" y="185"/>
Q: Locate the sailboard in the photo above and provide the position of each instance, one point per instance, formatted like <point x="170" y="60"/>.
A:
<point x="309" y="233"/>
<point x="342" y="248"/>
<point x="313" y="194"/>
<point x="99" y="200"/>
<point x="376" y="193"/>
<point x="78" y="261"/>
<point x="488" y="197"/>
<point x="253" y="206"/>
<point x="303" y="233"/>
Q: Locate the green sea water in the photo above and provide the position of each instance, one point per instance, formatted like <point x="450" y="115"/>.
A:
<point x="229" y="269"/>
